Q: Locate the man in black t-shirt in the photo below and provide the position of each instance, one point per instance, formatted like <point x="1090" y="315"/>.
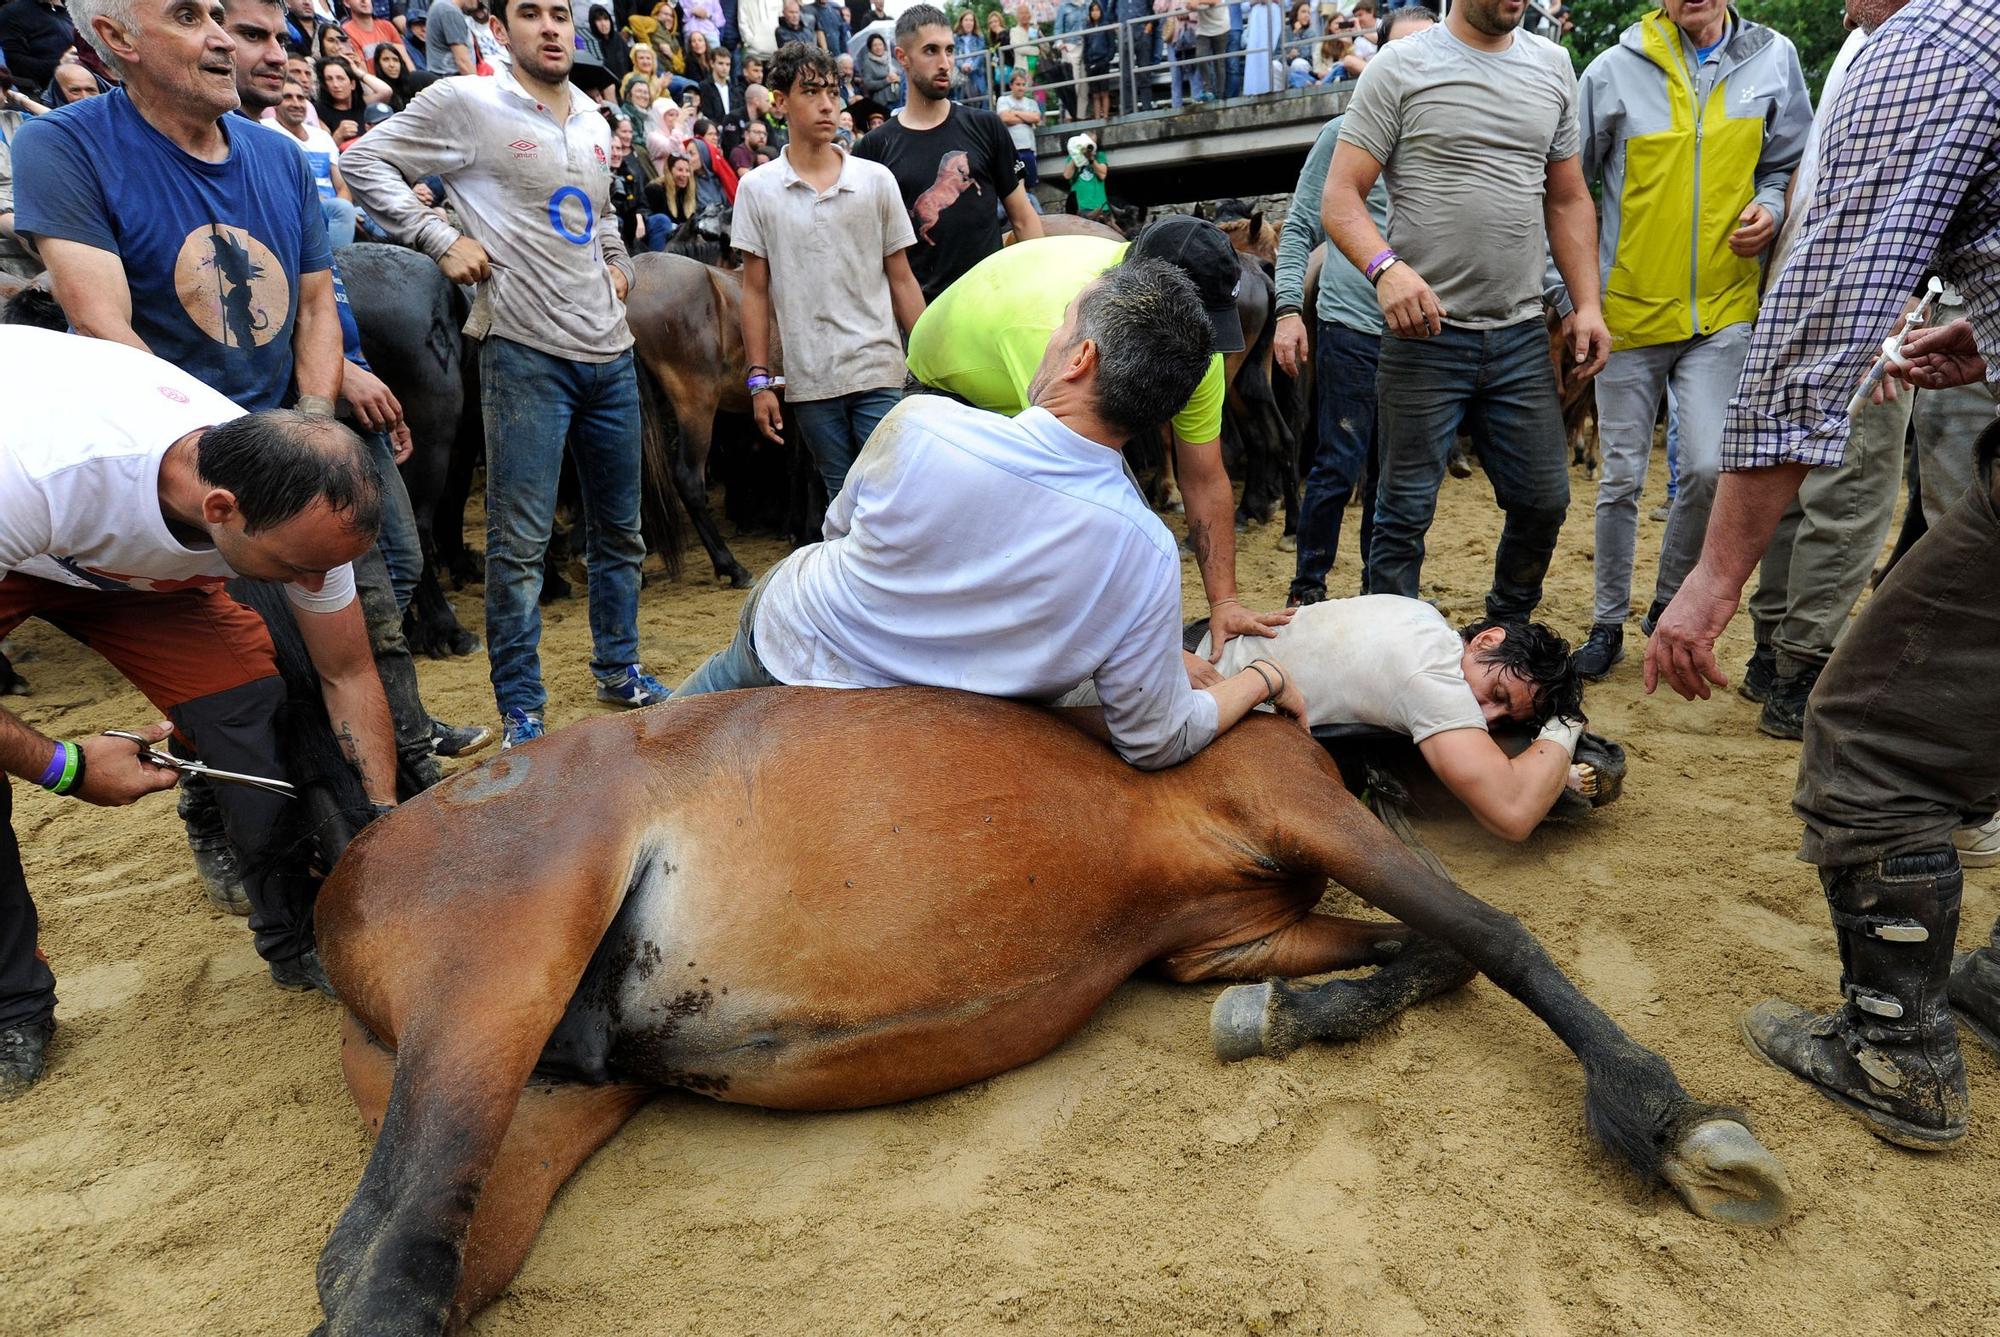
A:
<point x="952" y="163"/>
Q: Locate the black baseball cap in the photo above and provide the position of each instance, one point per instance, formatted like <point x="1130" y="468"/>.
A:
<point x="1200" y="248"/>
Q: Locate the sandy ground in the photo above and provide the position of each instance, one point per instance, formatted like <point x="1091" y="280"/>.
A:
<point x="179" y="1168"/>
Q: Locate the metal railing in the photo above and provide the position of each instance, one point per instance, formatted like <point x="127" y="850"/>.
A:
<point x="1135" y="85"/>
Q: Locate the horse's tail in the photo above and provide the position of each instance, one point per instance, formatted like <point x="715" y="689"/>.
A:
<point x="659" y="439"/>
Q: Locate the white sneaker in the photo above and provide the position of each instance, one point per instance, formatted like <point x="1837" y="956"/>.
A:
<point x="1978" y="846"/>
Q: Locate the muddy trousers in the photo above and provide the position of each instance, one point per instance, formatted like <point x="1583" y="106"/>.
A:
<point x="233" y="729"/>
<point x="1902" y="732"/>
<point x="1500" y="385"/>
<point x="416" y="769"/>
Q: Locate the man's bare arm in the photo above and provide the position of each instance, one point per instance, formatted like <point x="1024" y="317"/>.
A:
<point x="356" y="710"/>
<point x="1509" y="795"/>
<point x="89" y="284"/>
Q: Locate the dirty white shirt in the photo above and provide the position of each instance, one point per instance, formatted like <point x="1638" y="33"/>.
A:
<point x="1380" y="659"/>
<point x="535" y="192"/>
<point x="1006" y="556"/>
<point x="829" y="291"/>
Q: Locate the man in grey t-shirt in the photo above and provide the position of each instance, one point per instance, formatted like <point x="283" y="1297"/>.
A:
<point x="1472" y="126"/>
<point x="448" y="45"/>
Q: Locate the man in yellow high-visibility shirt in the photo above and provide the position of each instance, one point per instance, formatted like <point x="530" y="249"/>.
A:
<point x="983" y="337"/>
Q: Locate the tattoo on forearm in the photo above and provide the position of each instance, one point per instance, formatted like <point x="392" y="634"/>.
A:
<point x="350" y="747"/>
<point x="1198" y="540"/>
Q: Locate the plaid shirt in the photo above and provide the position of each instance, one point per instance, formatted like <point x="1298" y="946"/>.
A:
<point x="1909" y="185"/>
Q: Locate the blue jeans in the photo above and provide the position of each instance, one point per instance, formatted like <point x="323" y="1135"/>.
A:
<point x="339" y="215"/>
<point x="532" y="402"/>
<point x="736" y="665"/>
<point x="401" y="551"/>
<point x="1142" y="43"/>
<point x="1344" y="387"/>
<point x="836" y="429"/>
<point x="1501" y="384"/>
<point x="1673" y="448"/>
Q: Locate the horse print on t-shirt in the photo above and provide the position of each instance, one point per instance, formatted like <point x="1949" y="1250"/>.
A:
<point x="954" y="175"/>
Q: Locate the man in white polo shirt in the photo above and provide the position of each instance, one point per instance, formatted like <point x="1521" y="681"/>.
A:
<point x="1011" y="556"/>
<point x="129" y="492"/>
<point x="825" y="241"/>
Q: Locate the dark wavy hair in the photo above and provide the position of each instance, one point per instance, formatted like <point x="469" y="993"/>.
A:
<point x="1537" y="656"/>
<point x="280" y="461"/>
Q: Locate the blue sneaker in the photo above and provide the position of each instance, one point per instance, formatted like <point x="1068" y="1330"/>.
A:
<point x="632" y="688"/>
<point x="518" y="727"/>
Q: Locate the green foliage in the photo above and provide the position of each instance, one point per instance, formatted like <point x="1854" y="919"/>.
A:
<point x="1813" y="25"/>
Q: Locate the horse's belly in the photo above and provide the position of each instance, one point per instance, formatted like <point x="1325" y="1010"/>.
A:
<point x="751" y="990"/>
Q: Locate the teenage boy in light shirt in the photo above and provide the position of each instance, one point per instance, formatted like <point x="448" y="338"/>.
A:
<point x="825" y="247"/>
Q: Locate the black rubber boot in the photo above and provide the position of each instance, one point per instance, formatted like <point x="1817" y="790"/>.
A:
<point x="301" y="973"/>
<point x="1975" y="990"/>
<point x="1890" y="1053"/>
<point x="1784" y="713"/>
<point x="215" y="858"/>
<point x="21" y="1055"/>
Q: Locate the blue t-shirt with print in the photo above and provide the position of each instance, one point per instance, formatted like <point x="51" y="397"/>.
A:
<point x="212" y="251"/>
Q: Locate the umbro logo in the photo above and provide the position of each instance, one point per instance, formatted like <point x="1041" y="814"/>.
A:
<point x="525" y="148"/>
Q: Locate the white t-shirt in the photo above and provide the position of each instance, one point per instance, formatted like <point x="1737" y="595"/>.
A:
<point x="1006" y="556"/>
<point x="321" y="153"/>
<point x="86" y="426"/>
<point x="1020" y="132"/>
<point x="1380" y="659"/>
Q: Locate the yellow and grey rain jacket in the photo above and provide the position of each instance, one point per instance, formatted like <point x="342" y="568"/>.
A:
<point x="1683" y="148"/>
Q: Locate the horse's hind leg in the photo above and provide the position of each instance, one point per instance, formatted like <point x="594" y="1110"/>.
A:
<point x="1276" y="1016"/>
<point x="1635" y="1106"/>
<point x="445" y="1109"/>
<point x="691" y="482"/>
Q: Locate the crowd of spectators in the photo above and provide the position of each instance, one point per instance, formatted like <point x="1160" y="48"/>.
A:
<point x="686" y="75"/>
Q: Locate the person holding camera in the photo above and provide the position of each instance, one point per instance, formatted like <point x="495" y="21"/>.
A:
<point x="1085" y="170"/>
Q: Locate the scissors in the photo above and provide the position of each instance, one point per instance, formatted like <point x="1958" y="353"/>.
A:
<point x="153" y="757"/>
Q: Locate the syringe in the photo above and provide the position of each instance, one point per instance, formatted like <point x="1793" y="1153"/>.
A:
<point x="1892" y="347"/>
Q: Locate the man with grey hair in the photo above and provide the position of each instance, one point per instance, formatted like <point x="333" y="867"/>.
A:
<point x="201" y="240"/>
<point x="1011" y="556"/>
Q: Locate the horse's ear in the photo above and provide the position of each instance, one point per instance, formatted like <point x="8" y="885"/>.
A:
<point x="1256" y="221"/>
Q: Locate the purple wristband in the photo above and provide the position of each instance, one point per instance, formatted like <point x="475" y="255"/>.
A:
<point x="57" y="764"/>
<point x="1375" y="265"/>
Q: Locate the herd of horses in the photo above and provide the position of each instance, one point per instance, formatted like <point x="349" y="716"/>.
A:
<point x="516" y="982"/>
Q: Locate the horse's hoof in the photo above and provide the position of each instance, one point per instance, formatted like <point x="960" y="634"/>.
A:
<point x="1723" y="1173"/>
<point x="738" y="578"/>
<point x="1236" y="1023"/>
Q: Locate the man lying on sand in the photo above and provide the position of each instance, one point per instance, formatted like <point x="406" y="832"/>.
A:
<point x="1396" y="663"/>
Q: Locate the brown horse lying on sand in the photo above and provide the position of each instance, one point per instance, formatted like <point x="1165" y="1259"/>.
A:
<point x="813" y="899"/>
